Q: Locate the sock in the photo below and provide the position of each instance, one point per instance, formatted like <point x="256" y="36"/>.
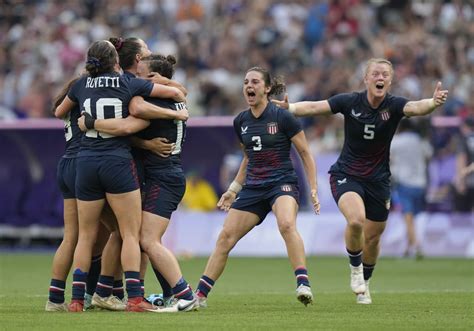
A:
<point x="118" y="289"/>
<point x="205" y="286"/>
<point x="132" y="283"/>
<point x="301" y="276"/>
<point x="368" y="269"/>
<point x="79" y="279"/>
<point x="167" y="290"/>
<point x="355" y="258"/>
<point x="56" y="291"/>
<point x="94" y="273"/>
<point x="142" y="287"/>
<point x="182" y="290"/>
<point x="105" y="286"/>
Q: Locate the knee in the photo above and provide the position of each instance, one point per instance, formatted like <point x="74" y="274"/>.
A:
<point x="286" y="228"/>
<point x="372" y="240"/>
<point x="225" y="242"/>
<point x="145" y="243"/>
<point x="356" y="223"/>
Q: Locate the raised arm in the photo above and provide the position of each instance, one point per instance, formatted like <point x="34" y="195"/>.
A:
<point x="301" y="145"/>
<point x="305" y="108"/>
<point x="138" y="107"/>
<point x="113" y="126"/>
<point x="229" y="196"/>
<point x="426" y="106"/>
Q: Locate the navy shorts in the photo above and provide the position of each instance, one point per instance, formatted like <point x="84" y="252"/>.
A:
<point x="163" y="193"/>
<point x="376" y="195"/>
<point x="412" y="199"/>
<point x="259" y="201"/>
<point x="66" y="177"/>
<point x="97" y="175"/>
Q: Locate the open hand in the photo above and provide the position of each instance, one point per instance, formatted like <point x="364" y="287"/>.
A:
<point x="226" y="200"/>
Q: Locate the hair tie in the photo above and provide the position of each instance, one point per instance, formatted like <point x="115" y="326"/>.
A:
<point x="119" y="44"/>
<point x="94" y="61"/>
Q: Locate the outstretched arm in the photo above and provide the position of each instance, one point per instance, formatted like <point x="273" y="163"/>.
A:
<point x="112" y="126"/>
<point x="304" y="108"/>
<point x="426" y="106"/>
<point x="299" y="140"/>
<point x="138" y="107"/>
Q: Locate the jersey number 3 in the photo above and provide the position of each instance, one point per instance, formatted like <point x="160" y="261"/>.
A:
<point x="369" y="132"/>
<point x="258" y="143"/>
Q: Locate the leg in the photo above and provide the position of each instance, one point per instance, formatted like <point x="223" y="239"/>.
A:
<point x="353" y="209"/>
<point x="127" y="209"/>
<point x="237" y="224"/>
<point x="89" y="212"/>
<point x="161" y="258"/>
<point x="372" y="233"/>
<point x="411" y="235"/>
<point x="143" y="266"/>
<point x="285" y="209"/>
<point x="62" y="260"/>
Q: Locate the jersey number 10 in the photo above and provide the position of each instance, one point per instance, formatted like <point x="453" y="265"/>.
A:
<point x="100" y="113"/>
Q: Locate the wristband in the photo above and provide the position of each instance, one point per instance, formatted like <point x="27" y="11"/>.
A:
<point x="292" y="108"/>
<point x="235" y="187"/>
<point x="89" y="121"/>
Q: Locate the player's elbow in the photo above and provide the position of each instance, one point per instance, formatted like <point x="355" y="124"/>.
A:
<point x="135" y="106"/>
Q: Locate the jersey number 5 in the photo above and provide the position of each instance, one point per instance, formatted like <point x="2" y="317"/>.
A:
<point x="369" y="131"/>
<point x="100" y="113"/>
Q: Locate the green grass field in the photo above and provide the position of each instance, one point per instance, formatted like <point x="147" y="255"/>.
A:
<point x="258" y="293"/>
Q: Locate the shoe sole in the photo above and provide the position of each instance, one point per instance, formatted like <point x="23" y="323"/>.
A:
<point x="305" y="299"/>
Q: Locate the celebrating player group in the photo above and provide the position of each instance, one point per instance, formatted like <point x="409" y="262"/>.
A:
<point x="121" y="177"/>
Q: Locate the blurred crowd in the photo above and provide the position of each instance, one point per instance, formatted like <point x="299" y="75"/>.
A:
<point x="320" y="47"/>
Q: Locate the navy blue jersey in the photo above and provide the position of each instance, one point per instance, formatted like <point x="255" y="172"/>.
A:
<point x="72" y="133"/>
<point x="267" y="142"/>
<point x="368" y="134"/>
<point x="173" y="130"/>
<point x="106" y="96"/>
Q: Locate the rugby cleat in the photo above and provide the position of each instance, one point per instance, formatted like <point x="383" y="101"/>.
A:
<point x="304" y="295"/>
<point x="139" y="305"/>
<point x="51" y="306"/>
<point x="180" y="306"/>
<point x="364" y="298"/>
<point x="110" y="303"/>
<point x="76" y="306"/>
<point x="357" y="279"/>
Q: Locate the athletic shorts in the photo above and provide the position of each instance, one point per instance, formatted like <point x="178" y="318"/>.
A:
<point x="163" y="192"/>
<point x="412" y="199"/>
<point x="376" y="195"/>
<point x="97" y="175"/>
<point x="259" y="201"/>
<point x="66" y="177"/>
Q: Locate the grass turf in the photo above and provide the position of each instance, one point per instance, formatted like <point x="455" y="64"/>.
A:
<point x="258" y="293"/>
